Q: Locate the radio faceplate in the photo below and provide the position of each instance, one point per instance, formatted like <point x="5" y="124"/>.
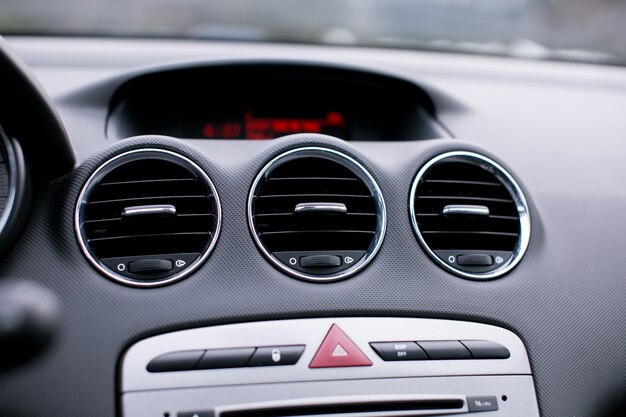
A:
<point x="345" y="366"/>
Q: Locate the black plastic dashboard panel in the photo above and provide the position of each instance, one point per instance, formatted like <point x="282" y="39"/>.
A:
<point x="237" y="284"/>
<point x="265" y="101"/>
<point x="561" y="137"/>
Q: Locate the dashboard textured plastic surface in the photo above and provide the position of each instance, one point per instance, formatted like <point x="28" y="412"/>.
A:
<point x="552" y="299"/>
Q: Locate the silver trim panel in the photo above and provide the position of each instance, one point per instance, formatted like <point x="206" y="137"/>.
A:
<point x="311" y="332"/>
<point x="519" y="389"/>
<point x="514" y="189"/>
<point x="113" y="163"/>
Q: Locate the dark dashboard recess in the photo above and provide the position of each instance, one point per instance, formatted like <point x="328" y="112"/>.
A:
<point x="266" y="101"/>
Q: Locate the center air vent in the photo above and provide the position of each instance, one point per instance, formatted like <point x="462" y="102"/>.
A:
<point x="148" y="217"/>
<point x="470" y="215"/>
<point x="316" y="214"/>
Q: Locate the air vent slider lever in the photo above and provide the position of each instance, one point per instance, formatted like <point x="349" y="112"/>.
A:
<point x="465" y="210"/>
<point x="320" y="208"/>
<point x="150" y="210"/>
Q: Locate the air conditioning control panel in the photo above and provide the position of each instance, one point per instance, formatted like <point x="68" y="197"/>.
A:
<point x="346" y="366"/>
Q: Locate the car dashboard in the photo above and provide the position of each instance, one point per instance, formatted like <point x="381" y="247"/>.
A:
<point x="245" y="229"/>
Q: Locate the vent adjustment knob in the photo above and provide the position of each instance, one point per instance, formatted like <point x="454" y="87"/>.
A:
<point x="150" y="266"/>
<point x="320" y="261"/>
<point x="476" y="259"/>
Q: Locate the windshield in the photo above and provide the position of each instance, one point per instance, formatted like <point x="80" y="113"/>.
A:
<point x="576" y="30"/>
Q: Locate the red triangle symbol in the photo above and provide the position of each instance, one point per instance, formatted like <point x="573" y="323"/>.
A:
<point x="337" y="350"/>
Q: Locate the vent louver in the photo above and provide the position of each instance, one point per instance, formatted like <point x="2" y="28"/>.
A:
<point x="470" y="215"/>
<point x="148" y="217"/>
<point x="316" y="214"/>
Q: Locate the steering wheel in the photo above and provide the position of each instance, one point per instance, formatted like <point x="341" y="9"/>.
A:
<point x="34" y="148"/>
<point x="27" y="114"/>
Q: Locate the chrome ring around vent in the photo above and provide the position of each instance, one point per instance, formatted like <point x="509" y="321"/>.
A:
<point x="107" y="167"/>
<point x="12" y="171"/>
<point x="362" y="173"/>
<point x="511" y="185"/>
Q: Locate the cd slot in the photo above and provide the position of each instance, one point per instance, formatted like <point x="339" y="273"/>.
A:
<point x="351" y="406"/>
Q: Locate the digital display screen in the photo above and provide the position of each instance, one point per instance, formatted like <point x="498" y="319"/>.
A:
<point x="253" y="125"/>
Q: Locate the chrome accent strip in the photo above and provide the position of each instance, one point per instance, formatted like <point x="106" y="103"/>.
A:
<point x="12" y="171"/>
<point x="465" y="210"/>
<point x="381" y="218"/>
<point x="320" y="208"/>
<point x="510" y="184"/>
<point x="149" y="210"/>
<point x="105" y="168"/>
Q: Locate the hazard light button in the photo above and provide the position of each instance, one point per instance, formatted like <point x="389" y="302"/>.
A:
<point x="337" y="350"/>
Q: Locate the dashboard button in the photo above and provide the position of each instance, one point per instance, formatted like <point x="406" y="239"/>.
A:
<point x="276" y="355"/>
<point x="225" y="358"/>
<point x="150" y="266"/>
<point x="399" y="351"/>
<point x="474" y="259"/>
<point x="320" y="261"/>
<point x="485" y="349"/>
<point x="338" y="351"/>
<point x="445" y="349"/>
<point x="176" y="361"/>
<point x="482" y="403"/>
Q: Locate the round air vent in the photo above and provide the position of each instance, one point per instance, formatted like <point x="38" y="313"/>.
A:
<point x="470" y="215"/>
<point x="148" y="217"/>
<point x="317" y="214"/>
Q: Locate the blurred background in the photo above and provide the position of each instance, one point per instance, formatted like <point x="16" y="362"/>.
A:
<point x="577" y="30"/>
